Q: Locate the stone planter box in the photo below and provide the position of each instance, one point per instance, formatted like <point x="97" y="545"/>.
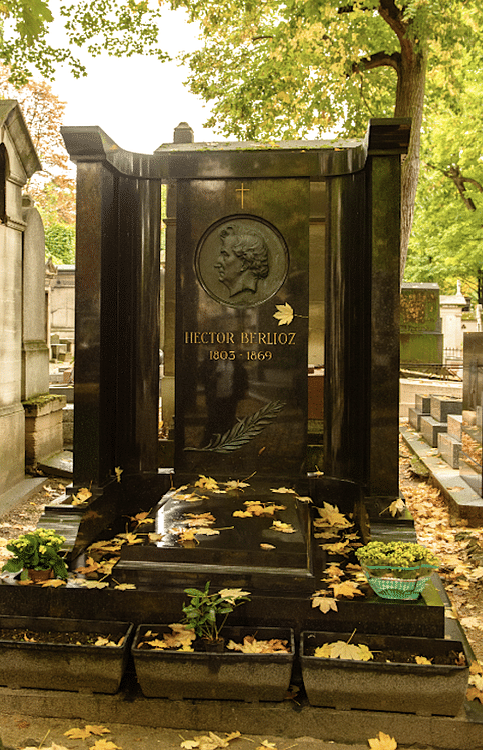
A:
<point x="381" y="686"/>
<point x="64" y="666"/>
<point x="230" y="675"/>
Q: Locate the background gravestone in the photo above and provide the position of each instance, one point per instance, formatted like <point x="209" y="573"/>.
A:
<point x="421" y="336"/>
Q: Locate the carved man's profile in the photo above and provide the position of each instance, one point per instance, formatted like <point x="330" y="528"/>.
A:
<point x="242" y="259"/>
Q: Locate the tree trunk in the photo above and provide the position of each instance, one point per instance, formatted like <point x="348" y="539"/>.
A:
<point x="409" y="103"/>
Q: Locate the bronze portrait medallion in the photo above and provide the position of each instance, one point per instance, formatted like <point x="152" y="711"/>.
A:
<point x="241" y="261"/>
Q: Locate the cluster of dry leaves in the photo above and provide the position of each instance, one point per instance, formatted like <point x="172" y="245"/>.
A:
<point x="460" y="551"/>
<point x="89" y="732"/>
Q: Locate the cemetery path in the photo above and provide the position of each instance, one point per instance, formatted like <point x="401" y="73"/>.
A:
<point x="459" y="548"/>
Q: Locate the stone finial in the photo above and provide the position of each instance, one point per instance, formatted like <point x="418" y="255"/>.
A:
<point x="183" y="133"/>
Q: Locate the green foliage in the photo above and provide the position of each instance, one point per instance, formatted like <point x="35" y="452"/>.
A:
<point x="120" y="28"/>
<point x="204" y="609"/>
<point x="401" y="554"/>
<point x="60" y="243"/>
<point x="448" y="227"/>
<point x="283" y="69"/>
<point x="39" y="550"/>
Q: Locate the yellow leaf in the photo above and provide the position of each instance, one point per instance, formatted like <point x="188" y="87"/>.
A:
<point x="97" y="729"/>
<point x="153" y="537"/>
<point x="81" y="496"/>
<point x="266" y="744"/>
<point x="118" y="471"/>
<point x="207" y="483"/>
<point x="104" y="745"/>
<point x="77" y="734"/>
<point x="189" y="744"/>
<point x="344" y="650"/>
<point x="284" y="314"/>
<point x="346" y="588"/>
<point x="285" y="528"/>
<point x="324" y="603"/>
<point x="382" y="742"/>
<point x="53" y="583"/>
<point x="125" y="586"/>
<point x="284" y="491"/>
<point x="422" y="660"/>
<point x="267" y="546"/>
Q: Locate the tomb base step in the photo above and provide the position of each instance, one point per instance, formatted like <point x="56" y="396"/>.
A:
<point x="430" y="430"/>
<point x="449" y="447"/>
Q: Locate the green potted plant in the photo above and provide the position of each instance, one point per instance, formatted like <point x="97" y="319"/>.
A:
<point x="206" y="613"/>
<point x="36" y="556"/>
<point x="397" y="570"/>
<point x="190" y="660"/>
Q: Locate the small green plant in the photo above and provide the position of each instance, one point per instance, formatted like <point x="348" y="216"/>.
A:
<point x="206" y="613"/>
<point x="37" y="550"/>
<point x="397" y="554"/>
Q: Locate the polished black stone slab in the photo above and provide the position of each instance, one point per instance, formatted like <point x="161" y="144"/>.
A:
<point x="241" y="372"/>
<point x="236" y="550"/>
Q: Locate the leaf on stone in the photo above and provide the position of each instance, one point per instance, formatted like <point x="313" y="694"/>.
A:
<point x="267" y="546"/>
<point x="118" y="471"/>
<point x="104" y="745"/>
<point x="210" y="741"/>
<point x="81" y="496"/>
<point x="125" y="586"/>
<point x="334" y="570"/>
<point x="199" y="519"/>
<point x="338" y="548"/>
<point x="53" y="583"/>
<point x="205" y="531"/>
<point x="77" y="734"/>
<point x="284" y="314"/>
<point x="398" y="506"/>
<point x="236" y="484"/>
<point x="284" y="491"/>
<point x="285" y="528"/>
<point x="131" y="538"/>
<point x="90" y="567"/>
<point x="207" y="483"/>
<point x="92" y="584"/>
<point x="382" y="742"/>
<point x="304" y="499"/>
<point x="153" y="537"/>
<point x="349" y="589"/>
<point x="141" y="518"/>
<point x="473" y="694"/>
<point x="266" y="744"/>
<point x="324" y="603"/>
<point x="330" y="515"/>
<point x="257" y="508"/>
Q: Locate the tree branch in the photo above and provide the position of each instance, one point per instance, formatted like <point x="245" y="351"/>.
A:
<point x="378" y="60"/>
<point x="458" y="179"/>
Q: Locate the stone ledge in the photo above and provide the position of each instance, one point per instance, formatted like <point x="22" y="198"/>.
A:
<point x="289" y="719"/>
<point x="46" y="403"/>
